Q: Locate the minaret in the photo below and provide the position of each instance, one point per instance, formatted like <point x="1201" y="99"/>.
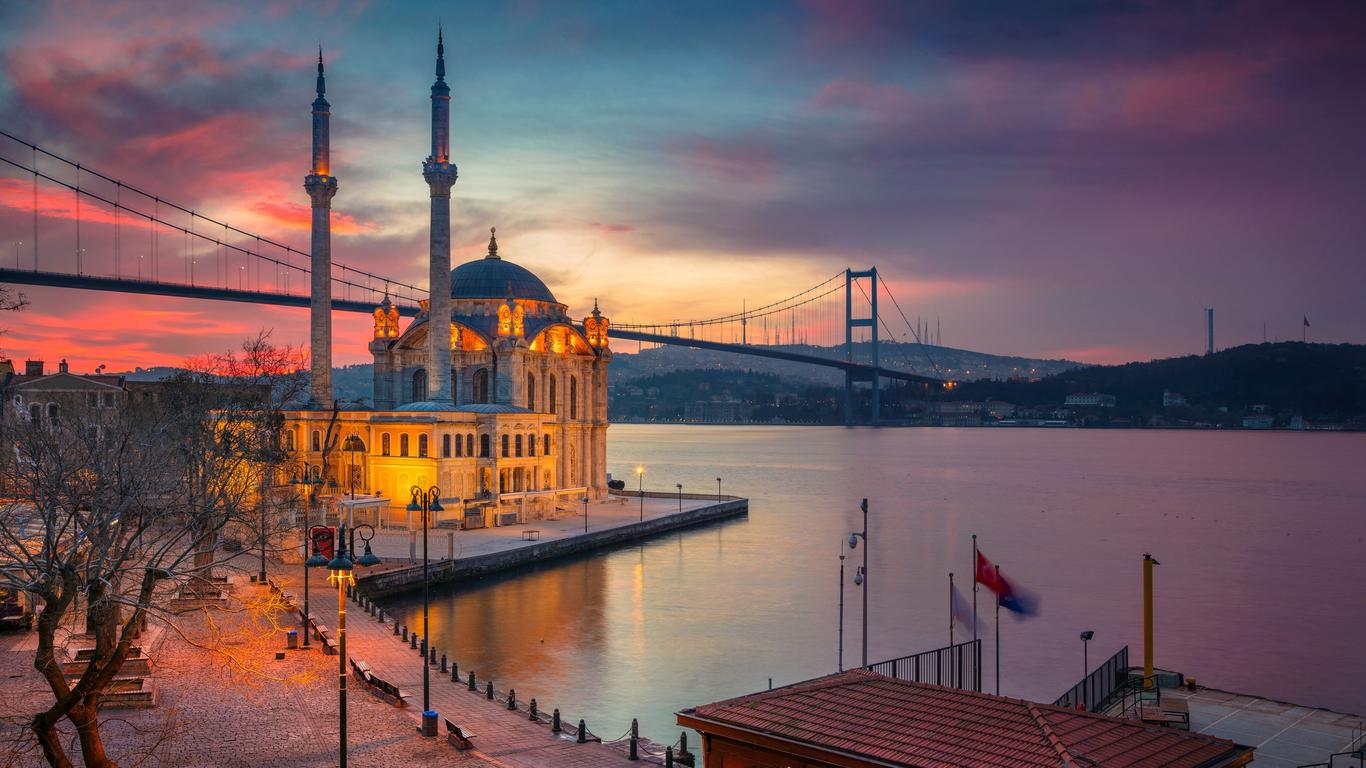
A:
<point x="321" y="185"/>
<point x="440" y="175"/>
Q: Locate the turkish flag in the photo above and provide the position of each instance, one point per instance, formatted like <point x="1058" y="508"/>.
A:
<point x="986" y="573"/>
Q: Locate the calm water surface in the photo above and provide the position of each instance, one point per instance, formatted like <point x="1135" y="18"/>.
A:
<point x="1261" y="536"/>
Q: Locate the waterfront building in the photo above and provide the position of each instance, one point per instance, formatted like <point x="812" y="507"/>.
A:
<point x="860" y="719"/>
<point x="1172" y="399"/>
<point x="493" y="392"/>
<point x="1090" y="400"/>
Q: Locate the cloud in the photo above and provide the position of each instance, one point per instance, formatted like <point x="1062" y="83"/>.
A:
<point x="612" y="229"/>
<point x="299" y="218"/>
<point x="727" y="161"/>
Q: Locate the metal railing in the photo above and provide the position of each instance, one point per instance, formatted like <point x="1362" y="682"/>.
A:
<point x="1097" y="690"/>
<point x="955" y="666"/>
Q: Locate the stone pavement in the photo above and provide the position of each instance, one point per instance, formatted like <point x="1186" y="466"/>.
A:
<point x="612" y="512"/>
<point x="508" y="739"/>
<point x="1285" y="735"/>
<point x="214" y="711"/>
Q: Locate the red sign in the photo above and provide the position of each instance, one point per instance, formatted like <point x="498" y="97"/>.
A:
<point x="322" y="541"/>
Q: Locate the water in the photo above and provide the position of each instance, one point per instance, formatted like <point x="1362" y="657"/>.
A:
<point x="1261" y="539"/>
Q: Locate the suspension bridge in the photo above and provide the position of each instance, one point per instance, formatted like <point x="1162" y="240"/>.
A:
<point x="72" y="226"/>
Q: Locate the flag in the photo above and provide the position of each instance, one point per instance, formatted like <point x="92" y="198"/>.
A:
<point x="961" y="608"/>
<point x="1013" y="598"/>
<point x="1306" y="321"/>
<point x="986" y="572"/>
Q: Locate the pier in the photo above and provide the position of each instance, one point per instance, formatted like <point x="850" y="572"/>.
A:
<point x="455" y="556"/>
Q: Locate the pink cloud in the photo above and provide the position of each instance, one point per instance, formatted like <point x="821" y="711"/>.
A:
<point x="613" y="229"/>
<point x="299" y="218"/>
<point x="741" y="163"/>
<point x="883" y="101"/>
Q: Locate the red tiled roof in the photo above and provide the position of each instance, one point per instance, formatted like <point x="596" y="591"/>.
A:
<point x="928" y="726"/>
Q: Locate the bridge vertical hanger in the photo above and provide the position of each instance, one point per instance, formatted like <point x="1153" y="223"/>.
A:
<point x="440" y="176"/>
<point x="321" y="186"/>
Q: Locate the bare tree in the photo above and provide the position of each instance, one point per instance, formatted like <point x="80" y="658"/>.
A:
<point x="126" y="513"/>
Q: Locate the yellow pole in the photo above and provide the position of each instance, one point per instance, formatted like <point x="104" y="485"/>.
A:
<point x="1148" y="563"/>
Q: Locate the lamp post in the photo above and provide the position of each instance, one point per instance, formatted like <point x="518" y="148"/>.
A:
<point x="680" y="496"/>
<point x="1085" y="666"/>
<point x="309" y="493"/>
<point x="640" y="490"/>
<point x="841" y="668"/>
<point x="341" y="572"/>
<point x="426" y="502"/>
<point x="718" y="489"/>
<point x="585" y="513"/>
<point x="861" y="576"/>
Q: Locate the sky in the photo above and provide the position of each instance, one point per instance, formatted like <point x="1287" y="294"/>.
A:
<point x="1053" y="179"/>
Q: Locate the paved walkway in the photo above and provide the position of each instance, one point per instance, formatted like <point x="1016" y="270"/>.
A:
<point x="613" y="512"/>
<point x="509" y="739"/>
<point x="1285" y="735"/>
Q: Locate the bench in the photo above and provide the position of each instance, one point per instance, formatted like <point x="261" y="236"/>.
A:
<point x="531" y="534"/>
<point x="389" y="691"/>
<point x="1172" y="713"/>
<point x="361" y="670"/>
<point x="460" y="738"/>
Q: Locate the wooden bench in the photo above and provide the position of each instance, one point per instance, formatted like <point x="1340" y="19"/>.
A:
<point x="390" y="692"/>
<point x="361" y="670"/>
<point x="531" y="534"/>
<point x="460" y="738"/>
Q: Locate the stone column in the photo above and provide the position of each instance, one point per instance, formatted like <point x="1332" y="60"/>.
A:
<point x="320" y="191"/>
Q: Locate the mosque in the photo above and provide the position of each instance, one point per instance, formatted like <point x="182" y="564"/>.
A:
<point x="493" y="393"/>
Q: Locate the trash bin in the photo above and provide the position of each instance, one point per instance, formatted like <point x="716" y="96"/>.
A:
<point x="292" y="639"/>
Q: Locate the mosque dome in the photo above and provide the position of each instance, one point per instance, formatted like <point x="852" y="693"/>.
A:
<point x="493" y="278"/>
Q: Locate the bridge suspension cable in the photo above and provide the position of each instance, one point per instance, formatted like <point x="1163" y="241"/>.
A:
<point x="401" y="291"/>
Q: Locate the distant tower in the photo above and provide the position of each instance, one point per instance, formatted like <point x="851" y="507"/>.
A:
<point x="321" y="185"/>
<point x="440" y="175"/>
<point x="1209" y="330"/>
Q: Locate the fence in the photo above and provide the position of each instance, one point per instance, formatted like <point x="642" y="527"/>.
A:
<point x="1098" y="688"/>
<point x="956" y="666"/>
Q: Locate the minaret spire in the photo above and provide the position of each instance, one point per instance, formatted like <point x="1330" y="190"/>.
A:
<point x="440" y="175"/>
<point x="321" y="186"/>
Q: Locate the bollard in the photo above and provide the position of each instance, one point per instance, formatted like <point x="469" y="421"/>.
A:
<point x="455" y="672"/>
<point x="405" y="633"/>
<point x="472" y="686"/>
<point x="555" y="722"/>
<point x="395" y="629"/>
<point x="533" y="716"/>
<point x="668" y="757"/>
<point x="635" y="738"/>
<point x="488" y="690"/>
<point x="432" y="660"/>
<point x="412" y="640"/>
<point x="684" y="756"/>
<point x="512" y="699"/>
<point x="583" y="732"/>
<point x="443" y="663"/>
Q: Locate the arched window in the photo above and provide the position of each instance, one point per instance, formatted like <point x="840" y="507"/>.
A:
<point x="459" y="445"/>
<point x="505" y="446"/>
<point x="554" y="402"/>
<point x="469" y="445"/>
<point x="35" y="412"/>
<point x="384" y="444"/>
<point x="483" y="446"/>
<point x="481" y="385"/>
<point x="517" y="447"/>
<point x="531" y="445"/>
<point x="573" y="397"/>
<point x="289" y="439"/>
<point x="317" y="442"/>
<point x="531" y="391"/>
<point x="402" y="445"/>
<point x="419" y="384"/>
<point x="445" y="446"/>
<point x="546" y="452"/>
<point x="422" y="446"/>
<point x="52" y="412"/>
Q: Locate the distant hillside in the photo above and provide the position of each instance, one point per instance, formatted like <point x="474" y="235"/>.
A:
<point x="927" y="360"/>
<point x="1316" y="381"/>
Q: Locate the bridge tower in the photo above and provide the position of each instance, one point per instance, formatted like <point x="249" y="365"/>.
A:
<point x="321" y="186"/>
<point x="440" y="175"/>
<point x="850" y="323"/>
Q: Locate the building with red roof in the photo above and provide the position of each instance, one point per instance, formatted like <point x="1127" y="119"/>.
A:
<point x="859" y="719"/>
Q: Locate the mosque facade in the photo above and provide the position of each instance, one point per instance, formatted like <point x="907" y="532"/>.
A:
<point x="492" y="393"/>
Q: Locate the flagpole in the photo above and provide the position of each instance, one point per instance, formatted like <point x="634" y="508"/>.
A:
<point x="974" y="586"/>
<point x="998" y="631"/>
<point x="950" y="607"/>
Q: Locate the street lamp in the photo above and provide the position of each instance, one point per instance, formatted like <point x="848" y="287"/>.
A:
<point x="680" y="496"/>
<point x="861" y="576"/>
<point x="309" y="494"/>
<point x="640" y="490"/>
<point x="341" y="572"/>
<point x="841" y="668"/>
<point x="718" y="489"/>
<point x="1085" y="666"/>
<point x="426" y="502"/>
<point x="585" y="513"/>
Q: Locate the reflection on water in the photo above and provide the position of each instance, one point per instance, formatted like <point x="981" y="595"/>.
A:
<point x="1260" y="537"/>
